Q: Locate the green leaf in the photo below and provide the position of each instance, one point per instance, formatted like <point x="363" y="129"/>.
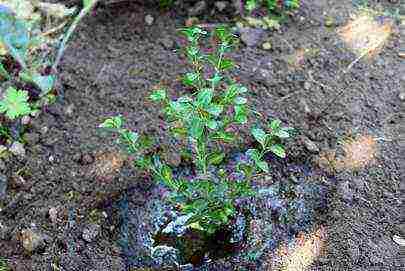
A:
<point x="190" y="79"/>
<point x="227" y="137"/>
<point x="14" y="36"/>
<point x="204" y="97"/>
<point x="44" y="83"/>
<point x="158" y="95"/>
<point x="167" y="173"/>
<point x="240" y="100"/>
<point x="283" y="133"/>
<point x="212" y="124"/>
<point x="215" y="79"/>
<point x="88" y="3"/>
<point x="112" y="123"/>
<point x="215" y="109"/>
<point x="256" y="157"/>
<point x="196" y="128"/>
<point x="278" y="150"/>
<point x="15" y="103"/>
<point x="253" y="154"/>
<point x="240" y="114"/>
<point x="263" y="166"/>
<point x="3" y="72"/>
<point x="259" y="135"/>
<point x="226" y="64"/>
<point x="216" y="158"/>
<point x="275" y="125"/>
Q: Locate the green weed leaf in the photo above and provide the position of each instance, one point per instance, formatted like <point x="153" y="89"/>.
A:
<point x="15" y="103"/>
<point x="158" y="95"/>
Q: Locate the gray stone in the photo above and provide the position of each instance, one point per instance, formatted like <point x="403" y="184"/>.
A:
<point x="149" y="19"/>
<point x="4" y="232"/>
<point x="310" y="145"/>
<point x="91" y="232"/>
<point x="221" y="5"/>
<point x="2" y="165"/>
<point x="32" y="240"/>
<point x="69" y="110"/>
<point x="307" y="85"/>
<point x="344" y="191"/>
<point x="17" y="149"/>
<point x="197" y="9"/>
<point x="167" y="43"/>
<point x="251" y="36"/>
<point x="31" y="138"/>
<point x="401" y="96"/>
<point x="3" y="186"/>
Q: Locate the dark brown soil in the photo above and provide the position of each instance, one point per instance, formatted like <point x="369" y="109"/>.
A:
<point x="111" y="66"/>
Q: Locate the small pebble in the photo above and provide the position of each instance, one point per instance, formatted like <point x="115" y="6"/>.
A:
<point x="149" y="19"/>
<point x="91" y="232"/>
<point x="25" y="120"/>
<point x="221" y="5"/>
<point x="31" y="138"/>
<point x="53" y="214"/>
<point x="266" y="45"/>
<point x="3" y="186"/>
<point x="401" y="96"/>
<point x="31" y="240"/>
<point x="17" y="149"/>
<point x="197" y="9"/>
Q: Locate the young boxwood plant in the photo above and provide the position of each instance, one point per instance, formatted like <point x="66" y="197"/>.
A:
<point x="203" y="117"/>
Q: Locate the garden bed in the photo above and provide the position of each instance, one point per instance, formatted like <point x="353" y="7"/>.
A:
<point x="76" y="192"/>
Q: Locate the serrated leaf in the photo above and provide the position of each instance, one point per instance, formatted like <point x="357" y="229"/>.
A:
<point x="278" y="150"/>
<point x="158" y="95"/>
<point x="15" y="103"/>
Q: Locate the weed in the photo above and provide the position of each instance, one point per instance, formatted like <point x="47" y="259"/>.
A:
<point x="272" y="5"/>
<point x="204" y="118"/>
<point x="4" y="265"/>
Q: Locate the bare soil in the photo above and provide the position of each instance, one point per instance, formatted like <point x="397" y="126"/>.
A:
<point x="110" y="67"/>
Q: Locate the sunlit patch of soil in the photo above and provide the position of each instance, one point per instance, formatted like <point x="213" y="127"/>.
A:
<point x="357" y="154"/>
<point x="106" y="165"/>
<point x="364" y="35"/>
<point x="300" y="254"/>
